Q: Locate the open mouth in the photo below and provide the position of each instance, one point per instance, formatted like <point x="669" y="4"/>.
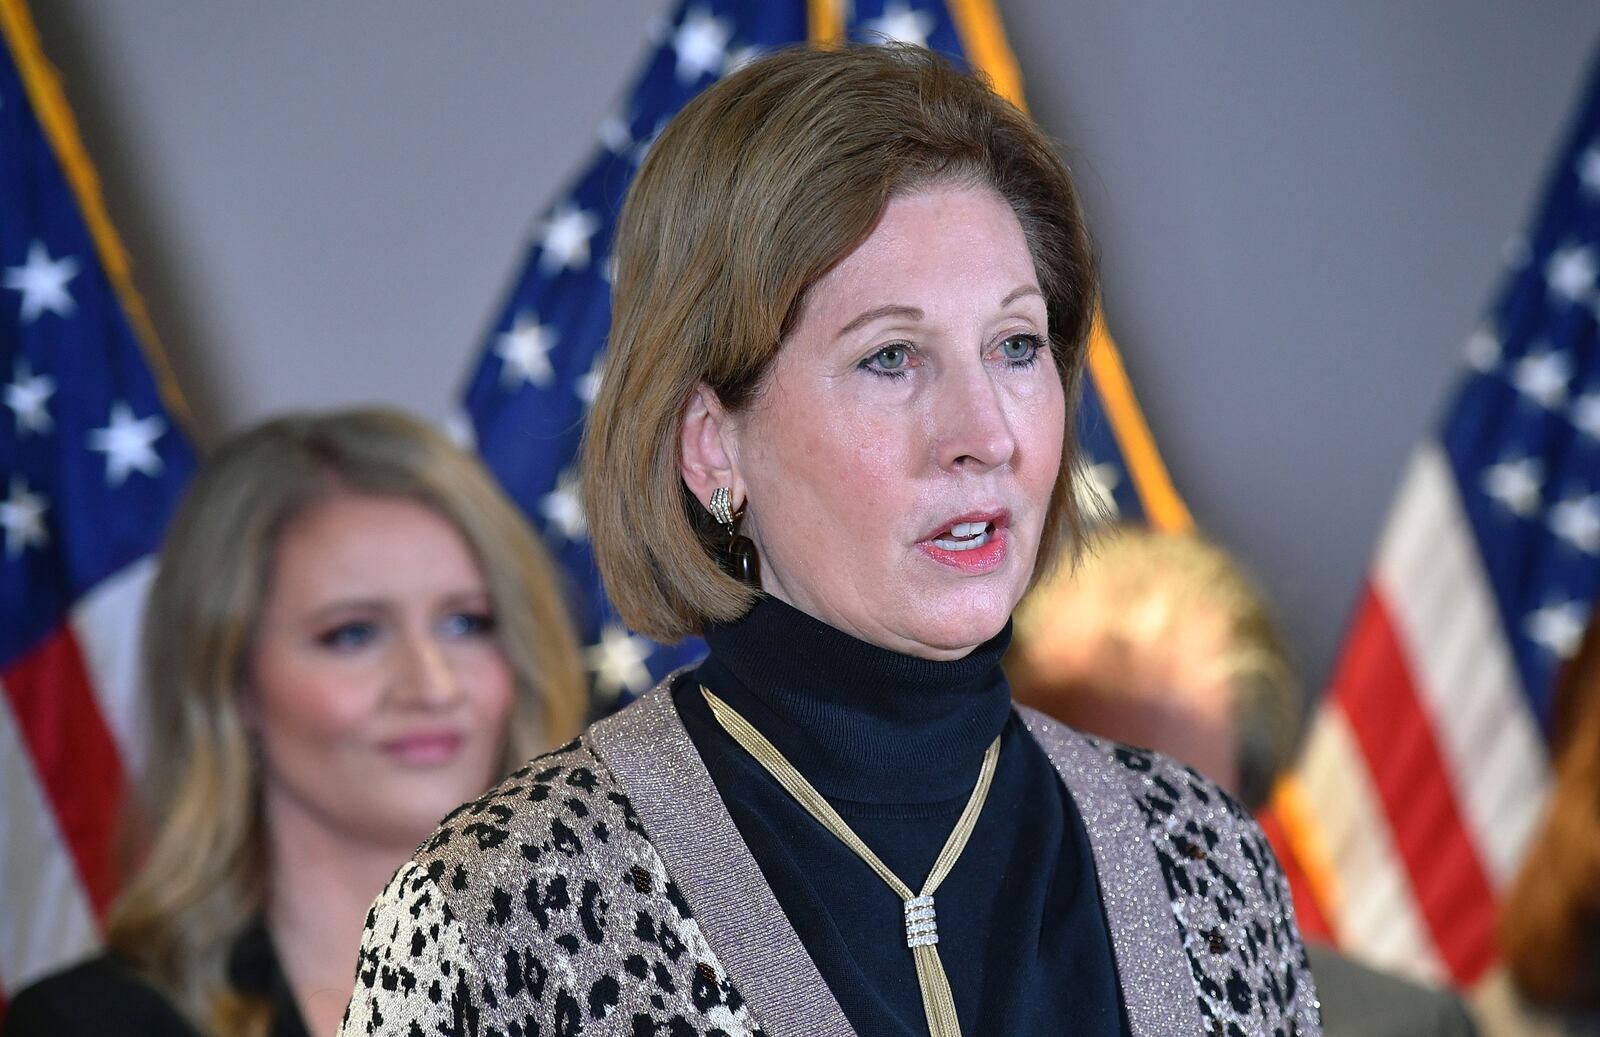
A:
<point x="964" y="536"/>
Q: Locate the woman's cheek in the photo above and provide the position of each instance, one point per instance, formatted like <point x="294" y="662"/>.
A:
<point x="487" y="683"/>
<point x="330" y="703"/>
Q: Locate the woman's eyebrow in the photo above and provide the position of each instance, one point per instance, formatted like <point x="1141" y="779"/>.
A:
<point x="1017" y="293"/>
<point x="329" y="609"/>
<point x="892" y="310"/>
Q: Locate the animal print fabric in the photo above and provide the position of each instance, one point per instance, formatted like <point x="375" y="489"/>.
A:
<point x="543" y="908"/>
<point x="1229" y="898"/>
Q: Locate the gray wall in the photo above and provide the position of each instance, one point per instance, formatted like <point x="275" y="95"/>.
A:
<point x="1300" y="209"/>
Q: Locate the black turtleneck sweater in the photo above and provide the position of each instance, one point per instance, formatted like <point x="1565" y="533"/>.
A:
<point x="895" y="744"/>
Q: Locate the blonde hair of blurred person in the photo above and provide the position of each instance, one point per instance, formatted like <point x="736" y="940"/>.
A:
<point x="206" y="873"/>
<point x="1162" y="640"/>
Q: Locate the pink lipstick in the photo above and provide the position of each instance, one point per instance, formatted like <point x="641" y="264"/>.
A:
<point x="423" y="748"/>
<point x="973" y="544"/>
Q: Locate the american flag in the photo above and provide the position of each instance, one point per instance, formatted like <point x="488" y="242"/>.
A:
<point x="1424" y="772"/>
<point x="537" y="373"/>
<point x="91" y="465"/>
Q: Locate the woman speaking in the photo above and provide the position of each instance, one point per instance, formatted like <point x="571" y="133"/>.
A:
<point x="851" y="305"/>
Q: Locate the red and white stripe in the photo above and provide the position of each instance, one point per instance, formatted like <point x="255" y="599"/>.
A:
<point x="69" y="726"/>
<point x="1424" y="770"/>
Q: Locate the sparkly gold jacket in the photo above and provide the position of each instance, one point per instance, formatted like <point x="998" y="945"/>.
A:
<point x="603" y="889"/>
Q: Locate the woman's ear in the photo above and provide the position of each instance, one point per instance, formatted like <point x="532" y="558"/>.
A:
<point x="707" y="458"/>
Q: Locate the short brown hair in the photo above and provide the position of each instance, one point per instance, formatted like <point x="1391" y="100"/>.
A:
<point x="202" y="881"/>
<point x="759" y="187"/>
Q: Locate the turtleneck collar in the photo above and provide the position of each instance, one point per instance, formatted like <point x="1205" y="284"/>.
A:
<point x="862" y="723"/>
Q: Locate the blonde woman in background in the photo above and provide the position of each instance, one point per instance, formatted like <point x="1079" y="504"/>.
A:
<point x="352" y="631"/>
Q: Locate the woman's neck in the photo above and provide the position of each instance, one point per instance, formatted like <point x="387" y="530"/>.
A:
<point x="321" y="883"/>
<point x="862" y="723"/>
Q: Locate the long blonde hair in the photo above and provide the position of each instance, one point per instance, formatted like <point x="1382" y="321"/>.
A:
<point x="203" y="880"/>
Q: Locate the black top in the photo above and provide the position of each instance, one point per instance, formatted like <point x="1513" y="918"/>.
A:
<point x="104" y="996"/>
<point x="895" y="743"/>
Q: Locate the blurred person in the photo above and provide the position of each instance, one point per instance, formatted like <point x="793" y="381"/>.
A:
<point x="1161" y="640"/>
<point x="852" y="299"/>
<point x="1549" y="985"/>
<point x="352" y="629"/>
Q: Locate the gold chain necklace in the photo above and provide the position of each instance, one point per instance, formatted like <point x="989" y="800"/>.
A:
<point x="922" y="932"/>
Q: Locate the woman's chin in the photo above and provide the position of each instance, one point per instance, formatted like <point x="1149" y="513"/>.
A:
<point x="953" y="631"/>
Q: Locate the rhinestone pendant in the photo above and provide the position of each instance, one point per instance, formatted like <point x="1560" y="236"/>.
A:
<point x="921" y="927"/>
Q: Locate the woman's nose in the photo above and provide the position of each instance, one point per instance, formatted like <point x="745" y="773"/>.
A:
<point x="974" y="428"/>
<point x="427" y="677"/>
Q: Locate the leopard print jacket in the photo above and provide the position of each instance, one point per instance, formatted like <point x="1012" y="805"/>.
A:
<point x="603" y="889"/>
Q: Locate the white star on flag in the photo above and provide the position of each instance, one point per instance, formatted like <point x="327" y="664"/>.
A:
<point x="1558" y="628"/>
<point x="1589" y="169"/>
<point x="562" y="507"/>
<point x="1571" y="273"/>
<point x="1586" y="414"/>
<point x="525" y="352"/>
<point x="27" y="397"/>
<point x="1543" y="377"/>
<point x="901" y="23"/>
<point x="588" y="386"/>
<point x="642" y="148"/>
<point x="617" y="662"/>
<point x="614" y="134"/>
<point x="1483" y="350"/>
<point x="22" y="517"/>
<point x="1577" y="521"/>
<point x="1093" y="490"/>
<point x="43" y="283"/>
<point x="564" y="240"/>
<point x="128" y="443"/>
<point x="1516" y="484"/>
<point x="702" y="44"/>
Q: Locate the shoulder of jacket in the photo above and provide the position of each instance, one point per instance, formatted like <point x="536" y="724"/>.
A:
<point x="1160" y="784"/>
<point x="1229" y="898"/>
<point x="561" y="805"/>
<point x="538" y="904"/>
<point x="1190" y="820"/>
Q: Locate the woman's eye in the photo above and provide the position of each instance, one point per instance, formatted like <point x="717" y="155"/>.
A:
<point x="889" y="360"/>
<point x="347" y="636"/>
<point x="1020" y="349"/>
<point x="468" y="624"/>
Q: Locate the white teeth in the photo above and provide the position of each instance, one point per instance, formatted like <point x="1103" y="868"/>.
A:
<point x="982" y="538"/>
<point x="968" y="529"/>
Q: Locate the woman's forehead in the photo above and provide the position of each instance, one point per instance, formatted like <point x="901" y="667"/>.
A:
<point x="927" y="244"/>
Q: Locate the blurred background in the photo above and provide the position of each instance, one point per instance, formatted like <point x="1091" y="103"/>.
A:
<point x="1301" y="211"/>
<point x="1302" y="215"/>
